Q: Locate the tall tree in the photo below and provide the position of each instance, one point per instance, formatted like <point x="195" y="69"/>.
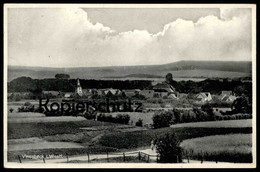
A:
<point x="168" y="148"/>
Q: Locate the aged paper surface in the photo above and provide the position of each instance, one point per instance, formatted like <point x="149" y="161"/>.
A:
<point x="129" y="86"/>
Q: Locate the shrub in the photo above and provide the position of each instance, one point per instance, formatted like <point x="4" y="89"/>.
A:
<point x="139" y="123"/>
<point x="89" y="115"/>
<point x="27" y="104"/>
<point x="122" y="119"/>
<point x="17" y="98"/>
<point x="11" y="110"/>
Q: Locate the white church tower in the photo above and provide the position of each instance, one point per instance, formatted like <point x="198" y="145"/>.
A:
<point x="79" y="89"/>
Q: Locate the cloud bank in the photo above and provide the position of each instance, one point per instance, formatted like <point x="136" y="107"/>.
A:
<point x="66" y="37"/>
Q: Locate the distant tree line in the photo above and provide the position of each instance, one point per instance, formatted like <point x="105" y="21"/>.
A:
<point x="27" y="84"/>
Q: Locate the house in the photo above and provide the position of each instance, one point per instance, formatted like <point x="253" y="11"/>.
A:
<point x="87" y="92"/>
<point x="163" y="87"/>
<point x="161" y="94"/>
<point x="172" y="96"/>
<point x="225" y="94"/>
<point x="68" y="95"/>
<point x="51" y="93"/>
<point x="101" y="92"/>
<point x="182" y="96"/>
<point x="132" y="92"/>
<point x="203" y="97"/>
<point x="20" y="94"/>
<point x="229" y="99"/>
<point x="147" y="93"/>
<point x="165" y="90"/>
<point x="112" y="91"/>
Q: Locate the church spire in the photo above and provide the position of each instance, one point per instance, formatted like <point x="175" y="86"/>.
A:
<point x="79" y="88"/>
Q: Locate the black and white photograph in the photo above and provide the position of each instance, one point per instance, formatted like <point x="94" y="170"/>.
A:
<point x="129" y="85"/>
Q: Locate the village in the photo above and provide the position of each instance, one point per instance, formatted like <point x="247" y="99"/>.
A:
<point x="162" y="91"/>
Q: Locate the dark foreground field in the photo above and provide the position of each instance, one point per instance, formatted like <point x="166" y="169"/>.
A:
<point x="111" y="139"/>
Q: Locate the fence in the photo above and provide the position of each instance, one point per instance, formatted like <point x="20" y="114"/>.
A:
<point x="137" y="156"/>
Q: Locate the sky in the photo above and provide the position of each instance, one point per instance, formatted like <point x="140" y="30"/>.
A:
<point x="77" y="37"/>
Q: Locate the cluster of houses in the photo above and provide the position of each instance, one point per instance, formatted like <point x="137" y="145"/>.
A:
<point x="160" y="90"/>
<point x="225" y="96"/>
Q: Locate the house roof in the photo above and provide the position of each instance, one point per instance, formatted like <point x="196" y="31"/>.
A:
<point x="203" y="94"/>
<point x="164" y="86"/>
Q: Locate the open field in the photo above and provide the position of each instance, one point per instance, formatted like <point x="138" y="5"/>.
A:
<point x="129" y="140"/>
<point x="43" y="119"/>
<point x="35" y="129"/>
<point x="243" y="123"/>
<point x="24" y="115"/>
<point x="70" y="137"/>
<point x="43" y="145"/>
<point x="230" y="148"/>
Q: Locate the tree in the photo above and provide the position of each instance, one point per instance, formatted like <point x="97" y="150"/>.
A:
<point x="177" y="116"/>
<point x="241" y="105"/>
<point x="168" y="78"/>
<point x="168" y="148"/>
<point x="62" y="76"/>
<point x="162" y="119"/>
<point x="209" y="110"/>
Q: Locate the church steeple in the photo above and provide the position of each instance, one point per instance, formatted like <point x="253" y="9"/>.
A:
<point x="79" y="88"/>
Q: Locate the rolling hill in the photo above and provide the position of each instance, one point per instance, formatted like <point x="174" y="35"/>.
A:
<point x="181" y="69"/>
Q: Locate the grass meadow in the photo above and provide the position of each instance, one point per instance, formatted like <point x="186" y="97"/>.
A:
<point x="217" y="124"/>
<point x="228" y="148"/>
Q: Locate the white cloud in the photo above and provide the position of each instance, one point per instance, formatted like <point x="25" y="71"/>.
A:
<point x="68" y="38"/>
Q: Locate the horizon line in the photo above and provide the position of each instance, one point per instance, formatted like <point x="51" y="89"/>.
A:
<point x="129" y="65"/>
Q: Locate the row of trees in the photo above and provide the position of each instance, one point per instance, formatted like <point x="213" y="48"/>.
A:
<point x="206" y="113"/>
<point x="119" y="118"/>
